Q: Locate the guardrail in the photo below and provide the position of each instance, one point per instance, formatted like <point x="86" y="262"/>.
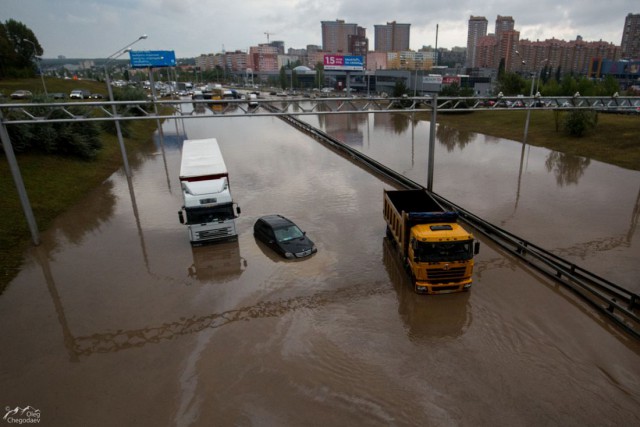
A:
<point x="614" y="302"/>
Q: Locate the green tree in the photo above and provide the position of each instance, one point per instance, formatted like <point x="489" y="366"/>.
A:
<point x="511" y="84"/>
<point x="400" y="89"/>
<point x="283" y="78"/>
<point x="568" y="85"/>
<point x="608" y="86"/>
<point x="501" y="69"/>
<point x="551" y="88"/>
<point x="16" y="54"/>
<point x="450" y="90"/>
<point x="319" y="79"/>
<point x="558" y="73"/>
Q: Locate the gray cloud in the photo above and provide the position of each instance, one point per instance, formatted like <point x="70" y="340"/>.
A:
<point x="95" y="28"/>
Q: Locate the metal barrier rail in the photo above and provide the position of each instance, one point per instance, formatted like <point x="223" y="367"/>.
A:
<point x="616" y="303"/>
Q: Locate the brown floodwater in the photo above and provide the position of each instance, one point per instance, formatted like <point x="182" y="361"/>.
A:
<point x="116" y="320"/>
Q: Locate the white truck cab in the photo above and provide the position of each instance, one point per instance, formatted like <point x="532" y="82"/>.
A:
<point x="208" y="210"/>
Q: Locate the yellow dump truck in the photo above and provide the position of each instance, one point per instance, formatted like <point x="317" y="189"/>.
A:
<point x="436" y="250"/>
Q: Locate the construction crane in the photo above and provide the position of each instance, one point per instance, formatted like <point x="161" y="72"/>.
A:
<point x="268" y="34"/>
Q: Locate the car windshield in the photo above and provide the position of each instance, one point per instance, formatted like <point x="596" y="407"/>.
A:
<point x="444" y="251"/>
<point x="210" y="214"/>
<point x="288" y="233"/>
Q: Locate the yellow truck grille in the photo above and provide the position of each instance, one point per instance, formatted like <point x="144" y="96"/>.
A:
<point x="446" y="274"/>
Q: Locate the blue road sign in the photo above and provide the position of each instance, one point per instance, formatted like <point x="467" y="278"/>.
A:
<point x="152" y="58"/>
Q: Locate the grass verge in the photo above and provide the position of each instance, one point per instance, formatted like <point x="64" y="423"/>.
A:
<point x="53" y="184"/>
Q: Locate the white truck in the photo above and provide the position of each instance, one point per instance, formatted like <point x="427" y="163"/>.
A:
<point x="208" y="209"/>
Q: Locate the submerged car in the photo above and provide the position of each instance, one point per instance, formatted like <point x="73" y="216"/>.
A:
<point x="283" y="236"/>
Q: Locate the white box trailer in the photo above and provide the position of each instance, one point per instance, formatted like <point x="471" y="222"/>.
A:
<point x="208" y="209"/>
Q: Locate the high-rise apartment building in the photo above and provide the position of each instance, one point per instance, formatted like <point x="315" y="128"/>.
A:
<point x="477" y="29"/>
<point x="506" y="42"/>
<point x="490" y="50"/>
<point x="630" y="45"/>
<point x="263" y="58"/>
<point x="392" y="37"/>
<point x="573" y="56"/>
<point x="335" y="35"/>
<point x="504" y="24"/>
<point x="358" y="43"/>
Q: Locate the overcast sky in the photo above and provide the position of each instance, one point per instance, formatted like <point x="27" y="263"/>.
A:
<point x="98" y="28"/>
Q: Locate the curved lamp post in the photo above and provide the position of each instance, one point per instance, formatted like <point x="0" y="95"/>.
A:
<point x="534" y="74"/>
<point x="110" y="59"/>
<point x="35" y="56"/>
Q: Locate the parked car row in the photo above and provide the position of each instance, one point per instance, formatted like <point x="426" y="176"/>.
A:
<point x="75" y="94"/>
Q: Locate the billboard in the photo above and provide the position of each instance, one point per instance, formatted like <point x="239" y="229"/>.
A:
<point x="343" y="63"/>
<point x="152" y="58"/>
<point x="432" y="79"/>
<point x="449" y="80"/>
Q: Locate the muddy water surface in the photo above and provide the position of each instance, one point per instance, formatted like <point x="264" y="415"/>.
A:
<point x="116" y="320"/>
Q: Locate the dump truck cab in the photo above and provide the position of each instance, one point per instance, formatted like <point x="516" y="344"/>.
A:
<point x="436" y="250"/>
<point x="440" y="257"/>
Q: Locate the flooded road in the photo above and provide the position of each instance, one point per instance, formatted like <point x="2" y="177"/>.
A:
<point x="116" y="320"/>
<point x="581" y="209"/>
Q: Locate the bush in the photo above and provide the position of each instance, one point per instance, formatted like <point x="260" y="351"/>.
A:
<point x="81" y="139"/>
<point x="125" y="94"/>
<point x="578" y="122"/>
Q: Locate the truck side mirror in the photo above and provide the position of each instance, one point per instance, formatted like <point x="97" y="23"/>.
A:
<point x="180" y="217"/>
<point x="238" y="210"/>
<point x="476" y="248"/>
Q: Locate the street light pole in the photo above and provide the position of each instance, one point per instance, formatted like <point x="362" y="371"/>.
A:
<point x="35" y="56"/>
<point x="534" y="73"/>
<point x="111" y="58"/>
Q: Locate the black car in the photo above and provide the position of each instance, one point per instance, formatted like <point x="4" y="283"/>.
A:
<point x="283" y="236"/>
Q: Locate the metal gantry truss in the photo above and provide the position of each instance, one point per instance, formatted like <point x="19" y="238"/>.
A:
<point x="21" y="113"/>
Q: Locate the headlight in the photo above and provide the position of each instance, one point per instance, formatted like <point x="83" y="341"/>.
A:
<point x="288" y="255"/>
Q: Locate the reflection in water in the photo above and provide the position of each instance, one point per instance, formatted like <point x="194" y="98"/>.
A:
<point x="451" y="137"/>
<point x="346" y="127"/>
<point x="41" y="253"/>
<point x="567" y="168"/>
<point x="92" y="212"/>
<point x="605" y="244"/>
<point x="110" y="342"/>
<point x="400" y="123"/>
<point x="426" y="317"/>
<point x="220" y="261"/>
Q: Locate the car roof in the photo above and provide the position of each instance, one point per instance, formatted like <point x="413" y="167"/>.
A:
<point x="276" y="221"/>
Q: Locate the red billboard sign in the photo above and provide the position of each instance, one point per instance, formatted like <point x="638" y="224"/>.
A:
<point x="448" y="80"/>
